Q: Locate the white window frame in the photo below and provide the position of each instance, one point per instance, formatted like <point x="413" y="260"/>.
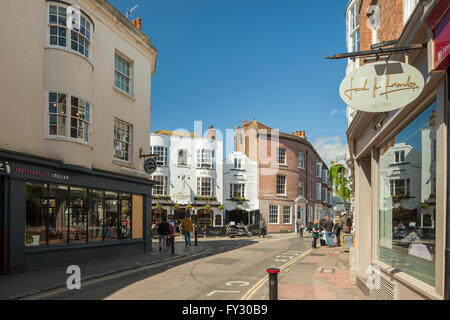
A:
<point x="130" y="143"/>
<point x="162" y="152"/>
<point x="301" y="160"/>
<point x="237" y="163"/>
<point x="271" y="215"/>
<point x="284" y="187"/>
<point x="325" y="176"/>
<point x="301" y="186"/>
<point x="324" y="195"/>
<point x="164" y="186"/>
<point x="284" y="156"/>
<point x="353" y="27"/>
<point x="87" y="37"/>
<point x="318" y="191"/>
<point x="87" y="121"/>
<point x="200" y="187"/>
<point x="406" y="186"/>
<point x="408" y="9"/>
<point x="184" y="156"/>
<point x="237" y="188"/>
<point x="401" y="156"/>
<point x="205" y="159"/>
<point x="129" y="77"/>
<point x="290" y="215"/>
<point x="319" y="170"/>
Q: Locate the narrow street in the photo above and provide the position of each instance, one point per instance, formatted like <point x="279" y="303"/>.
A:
<point x="228" y="269"/>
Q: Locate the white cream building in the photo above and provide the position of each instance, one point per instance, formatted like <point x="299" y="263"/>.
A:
<point x="189" y="174"/>
<point x="240" y="185"/>
<point x="75" y="111"/>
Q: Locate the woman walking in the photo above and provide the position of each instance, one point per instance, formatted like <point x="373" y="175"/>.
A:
<point x="315" y="233"/>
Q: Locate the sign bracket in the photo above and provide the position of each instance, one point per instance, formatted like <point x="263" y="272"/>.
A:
<point x="378" y="52"/>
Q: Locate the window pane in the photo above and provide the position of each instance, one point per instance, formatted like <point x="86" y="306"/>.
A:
<point x="58" y="213"/>
<point x="95" y="216"/>
<point x="78" y="215"/>
<point x="36" y="214"/>
<point x="111" y="216"/>
<point x="125" y="213"/>
<point x="407" y="201"/>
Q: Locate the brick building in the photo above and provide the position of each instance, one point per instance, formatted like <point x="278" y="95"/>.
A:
<point x="292" y="177"/>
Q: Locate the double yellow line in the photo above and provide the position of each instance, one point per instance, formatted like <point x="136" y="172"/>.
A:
<point x="260" y="283"/>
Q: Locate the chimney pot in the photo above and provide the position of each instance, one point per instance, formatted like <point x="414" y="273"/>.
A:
<point x="134" y="22"/>
<point x="139" y="23"/>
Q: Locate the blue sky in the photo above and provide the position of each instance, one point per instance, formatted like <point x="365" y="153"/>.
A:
<point x="227" y="61"/>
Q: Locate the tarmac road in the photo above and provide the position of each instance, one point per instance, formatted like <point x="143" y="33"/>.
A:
<point x="229" y="269"/>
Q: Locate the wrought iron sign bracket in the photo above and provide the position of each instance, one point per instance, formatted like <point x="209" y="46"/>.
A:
<point x="142" y="155"/>
<point x="377" y="53"/>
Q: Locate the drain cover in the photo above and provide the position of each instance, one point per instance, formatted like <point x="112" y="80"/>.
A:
<point x="327" y="270"/>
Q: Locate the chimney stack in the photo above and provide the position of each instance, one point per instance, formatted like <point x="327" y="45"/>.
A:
<point x="139" y="23"/>
<point x="238" y="129"/>
<point x="244" y="123"/>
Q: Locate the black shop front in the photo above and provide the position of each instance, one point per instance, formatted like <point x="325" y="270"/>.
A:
<point x="55" y="214"/>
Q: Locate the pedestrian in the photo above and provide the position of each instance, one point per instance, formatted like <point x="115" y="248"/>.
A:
<point x="345" y="224"/>
<point x="328" y="225"/>
<point x="315" y="233"/>
<point x="163" y="233"/>
<point x="299" y="227"/>
<point x="310" y="226"/>
<point x="172" y="233"/>
<point x="322" y="229"/>
<point x="337" y="231"/>
<point x="187" y="227"/>
<point x="263" y="228"/>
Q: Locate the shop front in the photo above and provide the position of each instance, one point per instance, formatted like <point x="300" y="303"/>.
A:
<point x="60" y="214"/>
<point x="400" y="170"/>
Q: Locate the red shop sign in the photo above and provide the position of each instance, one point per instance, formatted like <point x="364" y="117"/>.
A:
<point x="438" y="21"/>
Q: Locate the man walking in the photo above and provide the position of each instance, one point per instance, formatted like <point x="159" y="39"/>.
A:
<point x="187" y="227"/>
<point x="263" y="228"/>
<point x="163" y="232"/>
<point x="300" y="228"/>
<point x="328" y="225"/>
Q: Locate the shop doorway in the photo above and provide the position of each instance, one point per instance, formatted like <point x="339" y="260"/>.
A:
<point x="238" y="216"/>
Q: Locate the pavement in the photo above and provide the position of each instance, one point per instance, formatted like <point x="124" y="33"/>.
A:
<point x="18" y="286"/>
<point x="323" y="274"/>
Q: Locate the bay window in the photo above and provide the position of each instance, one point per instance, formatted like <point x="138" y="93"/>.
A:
<point x="58" y="125"/>
<point x="58" y="31"/>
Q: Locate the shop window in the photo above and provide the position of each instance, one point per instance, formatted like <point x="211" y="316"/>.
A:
<point x="36" y="214"/>
<point x="111" y="215"/>
<point x="407" y="203"/>
<point x="125" y="216"/>
<point x="78" y="215"/>
<point x="95" y="231"/>
<point x="58" y="214"/>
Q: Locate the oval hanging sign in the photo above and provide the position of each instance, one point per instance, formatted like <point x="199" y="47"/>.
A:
<point x="382" y="86"/>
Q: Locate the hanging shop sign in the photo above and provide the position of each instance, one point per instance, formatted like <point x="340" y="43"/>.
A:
<point x="382" y="86"/>
<point x="150" y="165"/>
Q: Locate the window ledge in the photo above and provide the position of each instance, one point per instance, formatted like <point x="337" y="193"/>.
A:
<point x="419" y="286"/>
<point x="129" y="96"/>
<point x="123" y="163"/>
<point x="69" y="140"/>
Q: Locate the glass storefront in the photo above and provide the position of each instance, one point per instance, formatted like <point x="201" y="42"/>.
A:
<point x="59" y="214"/>
<point x="407" y="198"/>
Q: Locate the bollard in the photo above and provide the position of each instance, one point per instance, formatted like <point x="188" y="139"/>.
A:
<point x="172" y="245"/>
<point x="273" y="283"/>
<point x="195" y="235"/>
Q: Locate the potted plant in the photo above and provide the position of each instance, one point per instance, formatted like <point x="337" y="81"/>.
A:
<point x="220" y="207"/>
<point x="207" y="208"/>
<point x="188" y="207"/>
